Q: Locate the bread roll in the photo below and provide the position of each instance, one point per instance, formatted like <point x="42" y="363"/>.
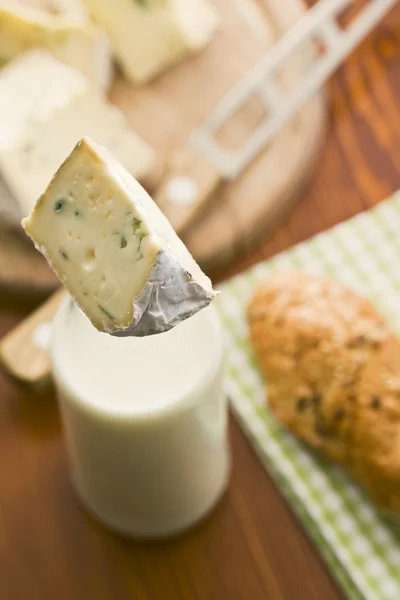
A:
<point x="333" y="372"/>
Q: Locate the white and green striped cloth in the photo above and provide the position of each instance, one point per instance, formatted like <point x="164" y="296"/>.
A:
<point x="361" y="549"/>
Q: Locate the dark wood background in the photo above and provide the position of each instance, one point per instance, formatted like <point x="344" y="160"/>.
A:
<point x="251" y="548"/>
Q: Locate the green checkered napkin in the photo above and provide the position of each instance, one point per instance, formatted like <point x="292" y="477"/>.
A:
<point x="361" y="549"/>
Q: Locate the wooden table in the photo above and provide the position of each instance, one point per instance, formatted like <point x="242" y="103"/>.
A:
<point x="251" y="548"/>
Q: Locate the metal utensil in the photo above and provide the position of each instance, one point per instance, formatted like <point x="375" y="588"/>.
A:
<point x="185" y="191"/>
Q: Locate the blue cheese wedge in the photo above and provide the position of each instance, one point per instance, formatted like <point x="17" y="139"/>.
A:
<point x="61" y="27"/>
<point x="113" y="249"/>
<point x="150" y="35"/>
<point x="45" y="108"/>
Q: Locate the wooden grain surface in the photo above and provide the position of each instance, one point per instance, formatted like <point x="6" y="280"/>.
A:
<point x="251" y="548"/>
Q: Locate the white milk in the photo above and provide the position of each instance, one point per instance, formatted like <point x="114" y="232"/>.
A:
<point x="145" y="421"/>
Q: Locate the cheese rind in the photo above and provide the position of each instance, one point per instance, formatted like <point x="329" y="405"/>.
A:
<point x="148" y="36"/>
<point x="45" y="108"/>
<point x="64" y="30"/>
<point x="113" y="249"/>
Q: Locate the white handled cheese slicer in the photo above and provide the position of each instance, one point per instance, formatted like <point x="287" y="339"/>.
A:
<point x="192" y="181"/>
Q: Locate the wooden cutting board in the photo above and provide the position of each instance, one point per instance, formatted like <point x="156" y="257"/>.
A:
<point x="166" y="111"/>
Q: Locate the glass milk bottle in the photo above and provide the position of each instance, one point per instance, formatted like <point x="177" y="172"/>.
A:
<point x="145" y="421"/>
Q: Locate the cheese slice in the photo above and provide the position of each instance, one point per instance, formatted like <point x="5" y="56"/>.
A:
<point x="113" y="248"/>
<point x="63" y="28"/>
<point x="45" y="108"/>
<point x="149" y="35"/>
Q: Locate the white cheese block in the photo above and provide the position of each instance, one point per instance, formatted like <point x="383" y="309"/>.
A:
<point x="113" y="248"/>
<point x="61" y="27"/>
<point x="149" y="35"/>
<point x="32" y="87"/>
<point x="45" y="108"/>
